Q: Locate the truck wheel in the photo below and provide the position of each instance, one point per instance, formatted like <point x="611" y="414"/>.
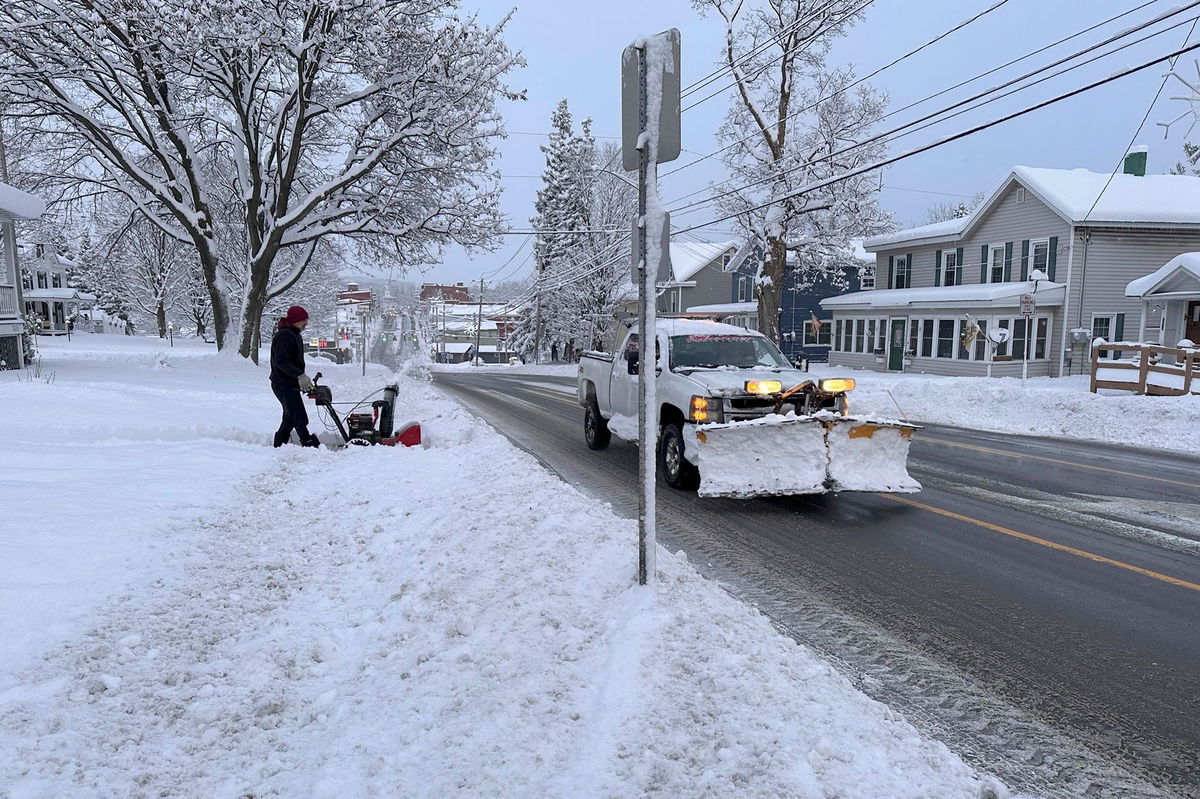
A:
<point x="676" y="469"/>
<point x="595" y="428"/>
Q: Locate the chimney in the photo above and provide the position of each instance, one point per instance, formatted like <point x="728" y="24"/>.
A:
<point x="1135" y="161"/>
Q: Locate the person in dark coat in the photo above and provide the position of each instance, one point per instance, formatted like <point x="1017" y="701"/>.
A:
<point x="288" y="379"/>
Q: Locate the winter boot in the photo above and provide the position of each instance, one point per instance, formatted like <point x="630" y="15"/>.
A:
<point x="281" y="439"/>
<point x="311" y="441"/>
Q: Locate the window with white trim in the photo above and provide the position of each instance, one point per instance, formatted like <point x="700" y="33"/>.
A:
<point x="996" y="264"/>
<point x="901" y="273"/>
<point x="949" y="267"/>
<point x="822" y="338"/>
<point x="1039" y="255"/>
<point x="866" y="278"/>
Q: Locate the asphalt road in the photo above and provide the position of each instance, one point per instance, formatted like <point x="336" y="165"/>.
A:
<point x="1036" y="607"/>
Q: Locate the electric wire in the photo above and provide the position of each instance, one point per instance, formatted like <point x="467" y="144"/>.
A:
<point x="948" y="139"/>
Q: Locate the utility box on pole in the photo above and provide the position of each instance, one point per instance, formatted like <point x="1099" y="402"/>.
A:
<point x="650" y="135"/>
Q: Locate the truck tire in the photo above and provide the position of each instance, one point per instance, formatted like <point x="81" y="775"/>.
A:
<point x="677" y="471"/>
<point x="595" y="428"/>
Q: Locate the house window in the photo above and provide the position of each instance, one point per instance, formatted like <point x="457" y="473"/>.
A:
<point x="837" y="334"/>
<point x="1020" y="194"/>
<point x="981" y="342"/>
<point x="926" y="338"/>
<point x="41" y="281"/>
<point x="866" y="279"/>
<point x="945" y="338"/>
<point x="859" y="327"/>
<point x="821" y="338"/>
<point x="1040" y="251"/>
<point x="745" y="288"/>
<point x="1019" y="336"/>
<point x="56" y="280"/>
<point x="848" y="336"/>
<point x="870" y="335"/>
<point x="676" y="300"/>
<point x="996" y="264"/>
<point x="1002" y="350"/>
<point x="914" y="335"/>
<point x="949" y="267"/>
<point x="1102" y="327"/>
<point x="902" y="273"/>
<point x="26" y="281"/>
<point x="1043" y="335"/>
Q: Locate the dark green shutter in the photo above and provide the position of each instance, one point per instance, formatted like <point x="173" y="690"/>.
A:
<point x="1024" y="260"/>
<point x="1008" y="262"/>
<point x="908" y="270"/>
<point x="937" y="268"/>
<point x="983" y="264"/>
<point x="891" y="268"/>
<point x="958" y="270"/>
<point x="1052" y="257"/>
<point x="1119" y="333"/>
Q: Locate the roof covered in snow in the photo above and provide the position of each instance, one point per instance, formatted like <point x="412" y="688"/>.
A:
<point x="1181" y="274"/>
<point x="699" y="327"/>
<point x="997" y="294"/>
<point x="17" y="204"/>
<point x="689" y="257"/>
<point x="1079" y="196"/>
<point x="63" y="293"/>
<point x="726" y="308"/>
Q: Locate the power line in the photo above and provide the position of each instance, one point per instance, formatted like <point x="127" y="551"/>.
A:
<point x="926" y="99"/>
<point x="947" y="139"/>
<point x="931" y="119"/>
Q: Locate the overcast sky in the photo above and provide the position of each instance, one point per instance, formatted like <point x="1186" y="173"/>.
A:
<point x="573" y="50"/>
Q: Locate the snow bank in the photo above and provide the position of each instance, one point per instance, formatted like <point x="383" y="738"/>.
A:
<point x="1055" y="407"/>
<point x="392" y="622"/>
<point x="554" y="369"/>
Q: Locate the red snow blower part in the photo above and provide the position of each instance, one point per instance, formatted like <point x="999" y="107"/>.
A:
<point x="368" y="429"/>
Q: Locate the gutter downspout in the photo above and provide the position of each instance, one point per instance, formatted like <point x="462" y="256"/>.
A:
<point x="1062" y="350"/>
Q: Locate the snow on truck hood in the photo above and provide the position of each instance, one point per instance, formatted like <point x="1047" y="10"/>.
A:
<point x="730" y="381"/>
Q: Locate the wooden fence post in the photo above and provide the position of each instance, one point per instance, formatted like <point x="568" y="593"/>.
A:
<point x="1095" y="365"/>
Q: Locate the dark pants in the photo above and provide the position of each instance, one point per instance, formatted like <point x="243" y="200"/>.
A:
<point x="295" y="417"/>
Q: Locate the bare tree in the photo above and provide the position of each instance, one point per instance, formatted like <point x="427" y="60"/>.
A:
<point x="943" y="211"/>
<point x="790" y="112"/>
<point x="290" y="122"/>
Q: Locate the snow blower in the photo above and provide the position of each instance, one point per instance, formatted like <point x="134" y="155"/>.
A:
<point x="368" y="429"/>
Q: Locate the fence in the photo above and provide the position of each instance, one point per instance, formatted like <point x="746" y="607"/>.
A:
<point x="1154" y="370"/>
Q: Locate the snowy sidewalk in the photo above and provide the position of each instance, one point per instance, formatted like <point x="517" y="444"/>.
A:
<point x="451" y="621"/>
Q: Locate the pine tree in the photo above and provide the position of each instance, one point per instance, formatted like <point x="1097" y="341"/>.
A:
<point x="1191" y="154"/>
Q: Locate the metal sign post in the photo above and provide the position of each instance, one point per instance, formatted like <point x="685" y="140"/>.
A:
<point x="650" y="128"/>
<point x="1028" y="307"/>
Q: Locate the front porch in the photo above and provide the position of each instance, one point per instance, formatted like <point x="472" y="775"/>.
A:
<point x="57" y="308"/>
<point x="1172" y="291"/>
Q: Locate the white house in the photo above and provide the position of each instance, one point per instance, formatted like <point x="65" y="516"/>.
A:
<point x="47" y="294"/>
<point x="14" y="204"/>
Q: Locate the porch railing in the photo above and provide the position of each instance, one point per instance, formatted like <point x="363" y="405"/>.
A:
<point x="8" y="302"/>
<point x="1146" y="369"/>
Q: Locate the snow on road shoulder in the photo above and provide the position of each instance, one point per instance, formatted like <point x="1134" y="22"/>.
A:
<point x="1043" y="406"/>
<point x="430" y="622"/>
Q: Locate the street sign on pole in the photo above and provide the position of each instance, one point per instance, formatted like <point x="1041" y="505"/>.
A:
<point x="1028" y="304"/>
<point x="649" y="135"/>
<point x="634" y="101"/>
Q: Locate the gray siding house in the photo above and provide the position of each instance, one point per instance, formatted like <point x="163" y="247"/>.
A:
<point x="1083" y="235"/>
<point x="14" y="204"/>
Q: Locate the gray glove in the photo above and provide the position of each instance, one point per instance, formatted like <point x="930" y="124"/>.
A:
<point x="306" y="383"/>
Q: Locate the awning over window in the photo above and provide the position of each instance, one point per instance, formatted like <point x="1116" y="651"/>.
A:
<point x="997" y="295"/>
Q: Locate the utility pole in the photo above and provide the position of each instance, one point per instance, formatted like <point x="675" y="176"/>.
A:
<point x="649" y="135"/>
<point x="537" y="314"/>
<point x="479" y="321"/>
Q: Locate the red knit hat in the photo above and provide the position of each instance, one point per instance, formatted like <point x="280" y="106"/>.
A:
<point x="295" y="315"/>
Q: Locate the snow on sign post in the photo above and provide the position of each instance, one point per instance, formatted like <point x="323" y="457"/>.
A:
<point x="650" y="135"/>
<point x="1028" y="306"/>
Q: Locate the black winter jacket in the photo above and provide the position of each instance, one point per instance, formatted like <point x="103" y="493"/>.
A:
<point x="287" y="357"/>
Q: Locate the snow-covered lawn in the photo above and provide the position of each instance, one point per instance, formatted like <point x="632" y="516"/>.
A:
<point x="1043" y="406"/>
<point x="188" y="612"/>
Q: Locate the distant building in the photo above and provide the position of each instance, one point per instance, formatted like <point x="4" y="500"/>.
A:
<point x="437" y="292"/>
<point x="48" y="294"/>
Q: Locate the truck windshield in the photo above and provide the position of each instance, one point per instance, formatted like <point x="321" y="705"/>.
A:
<point x="703" y="351"/>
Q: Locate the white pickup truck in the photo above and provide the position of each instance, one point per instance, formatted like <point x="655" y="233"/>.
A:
<point x="736" y="419"/>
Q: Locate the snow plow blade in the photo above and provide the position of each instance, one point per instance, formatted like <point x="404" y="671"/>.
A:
<point x="785" y="455"/>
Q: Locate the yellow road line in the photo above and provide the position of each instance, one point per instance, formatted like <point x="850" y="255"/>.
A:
<point x="1043" y="542"/>
<point x="1076" y="464"/>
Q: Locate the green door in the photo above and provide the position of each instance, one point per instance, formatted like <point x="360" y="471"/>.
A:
<point x="896" y="345"/>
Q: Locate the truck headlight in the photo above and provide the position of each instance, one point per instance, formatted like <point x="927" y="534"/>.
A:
<point x="837" y="385"/>
<point x="703" y="409"/>
<point x="763" y="386"/>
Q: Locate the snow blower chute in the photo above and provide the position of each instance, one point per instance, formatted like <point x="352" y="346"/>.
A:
<point x="368" y="429"/>
<point x="781" y="454"/>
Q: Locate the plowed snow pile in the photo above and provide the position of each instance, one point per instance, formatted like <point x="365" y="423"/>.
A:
<point x="235" y="621"/>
